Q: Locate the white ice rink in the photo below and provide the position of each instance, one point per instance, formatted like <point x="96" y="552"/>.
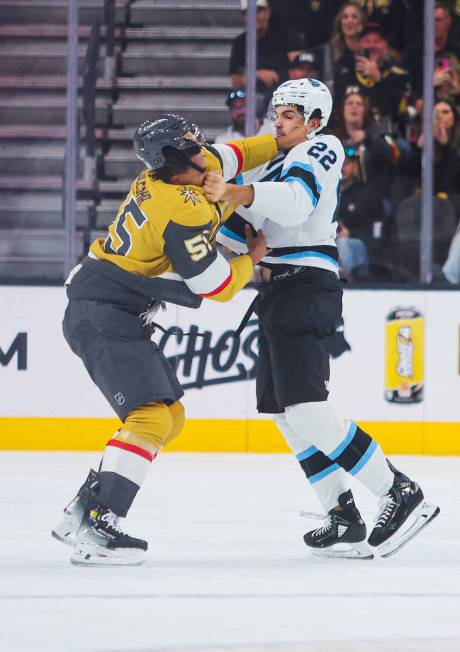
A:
<point x="227" y="568"/>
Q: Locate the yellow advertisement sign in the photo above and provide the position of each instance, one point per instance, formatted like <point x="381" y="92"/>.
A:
<point x="404" y="356"/>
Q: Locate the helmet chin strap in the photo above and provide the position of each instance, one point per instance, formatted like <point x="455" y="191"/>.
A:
<point x="197" y="167"/>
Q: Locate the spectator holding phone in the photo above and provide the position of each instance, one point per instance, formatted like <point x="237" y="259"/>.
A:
<point x="390" y="15"/>
<point x="446" y="45"/>
<point x="376" y="73"/>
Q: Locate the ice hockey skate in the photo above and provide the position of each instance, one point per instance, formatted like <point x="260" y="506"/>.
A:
<point x="66" y="530"/>
<point x="343" y="533"/>
<point x="101" y="542"/>
<point x="403" y="513"/>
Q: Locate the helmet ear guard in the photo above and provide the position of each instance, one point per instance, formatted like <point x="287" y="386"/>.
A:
<point x="309" y="95"/>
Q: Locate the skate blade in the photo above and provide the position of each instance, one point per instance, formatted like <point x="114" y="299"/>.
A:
<point x="356" y="551"/>
<point x="66" y="539"/>
<point x="111" y="558"/>
<point x="423" y="515"/>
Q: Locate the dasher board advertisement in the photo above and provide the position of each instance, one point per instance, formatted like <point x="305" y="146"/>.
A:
<point x="394" y="361"/>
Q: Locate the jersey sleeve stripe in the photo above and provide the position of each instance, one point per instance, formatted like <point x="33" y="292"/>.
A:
<point x="213" y="279"/>
<point x="231" y="234"/>
<point x="231" y="240"/>
<point x="306" y="168"/>
<point x="221" y="287"/>
<point x="314" y="197"/>
<point x="305" y="176"/>
<point x="239" y="157"/>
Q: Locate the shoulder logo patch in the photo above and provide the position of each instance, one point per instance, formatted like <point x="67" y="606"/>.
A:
<point x="190" y="195"/>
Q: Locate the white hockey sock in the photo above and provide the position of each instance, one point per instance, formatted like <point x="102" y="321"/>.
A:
<point x="327" y="479"/>
<point x="123" y="470"/>
<point x="343" y="442"/>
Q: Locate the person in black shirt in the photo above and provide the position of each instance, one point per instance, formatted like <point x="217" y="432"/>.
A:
<point x="390" y="15"/>
<point x="384" y="83"/>
<point x="361" y="213"/>
<point x="276" y="46"/>
<point x="378" y="152"/>
<point x="348" y="25"/>
<point x="446" y="44"/>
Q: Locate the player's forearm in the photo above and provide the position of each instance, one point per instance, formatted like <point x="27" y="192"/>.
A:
<point x="242" y="268"/>
<point x="238" y="195"/>
<point x="255" y="150"/>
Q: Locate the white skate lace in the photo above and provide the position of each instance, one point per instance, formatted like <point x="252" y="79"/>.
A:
<point x="112" y="521"/>
<point x="325" y="527"/>
<point x="386" y="506"/>
<point x="314" y="515"/>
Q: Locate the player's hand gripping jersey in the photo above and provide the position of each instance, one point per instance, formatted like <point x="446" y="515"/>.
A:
<point x="298" y="217"/>
<point x="168" y="231"/>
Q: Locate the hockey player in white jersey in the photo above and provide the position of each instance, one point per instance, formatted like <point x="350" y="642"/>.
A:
<point x="294" y="199"/>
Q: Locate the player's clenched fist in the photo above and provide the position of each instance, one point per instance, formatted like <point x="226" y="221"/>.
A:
<point x="214" y="186"/>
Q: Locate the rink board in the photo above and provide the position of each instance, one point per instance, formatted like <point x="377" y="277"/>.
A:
<point x="47" y="401"/>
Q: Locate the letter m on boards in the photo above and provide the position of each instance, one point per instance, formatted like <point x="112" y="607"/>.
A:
<point x="18" y="346"/>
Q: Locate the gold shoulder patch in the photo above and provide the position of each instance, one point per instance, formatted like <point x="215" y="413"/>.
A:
<point x="189" y="195"/>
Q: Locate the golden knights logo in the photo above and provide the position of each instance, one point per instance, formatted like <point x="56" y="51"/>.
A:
<point x="189" y="195"/>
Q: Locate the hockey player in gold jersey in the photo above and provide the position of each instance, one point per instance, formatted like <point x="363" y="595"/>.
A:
<point x="159" y="248"/>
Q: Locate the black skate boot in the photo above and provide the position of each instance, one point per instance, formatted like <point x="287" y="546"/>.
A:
<point x="343" y="525"/>
<point x="101" y="542"/>
<point x="402" y="514"/>
<point x="66" y="530"/>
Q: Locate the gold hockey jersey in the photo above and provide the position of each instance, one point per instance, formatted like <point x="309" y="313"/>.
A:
<point x="168" y="231"/>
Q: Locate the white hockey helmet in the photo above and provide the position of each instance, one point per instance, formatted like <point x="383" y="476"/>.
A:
<point x="309" y="94"/>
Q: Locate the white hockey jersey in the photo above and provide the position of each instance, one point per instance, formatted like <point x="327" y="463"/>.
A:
<point x="295" y="204"/>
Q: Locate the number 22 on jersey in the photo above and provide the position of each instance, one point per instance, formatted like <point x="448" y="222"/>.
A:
<point x="325" y="158"/>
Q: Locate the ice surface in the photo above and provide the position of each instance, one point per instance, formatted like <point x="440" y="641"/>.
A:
<point x="227" y="568"/>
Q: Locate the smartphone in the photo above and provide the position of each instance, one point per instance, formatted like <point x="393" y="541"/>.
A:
<point x="363" y="53"/>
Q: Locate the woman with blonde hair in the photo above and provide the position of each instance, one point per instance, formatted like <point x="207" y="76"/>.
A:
<point x="348" y="25"/>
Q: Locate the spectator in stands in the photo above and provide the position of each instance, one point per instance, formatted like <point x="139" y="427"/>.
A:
<point x="313" y="18"/>
<point x="444" y="38"/>
<point x="377" y="150"/>
<point x="309" y="63"/>
<point x="236" y="102"/>
<point x="390" y="15"/>
<point x="352" y="253"/>
<point x="446" y="44"/>
<point x="446" y="172"/>
<point x="348" y="25"/>
<point x="360" y="214"/>
<point x="276" y="46"/>
<point x="384" y="83"/>
<point x="449" y="120"/>
<point x="451" y="268"/>
<point x="447" y="80"/>
<point x="446" y="168"/>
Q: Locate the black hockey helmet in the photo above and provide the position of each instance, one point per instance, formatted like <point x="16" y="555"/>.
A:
<point x="170" y="139"/>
